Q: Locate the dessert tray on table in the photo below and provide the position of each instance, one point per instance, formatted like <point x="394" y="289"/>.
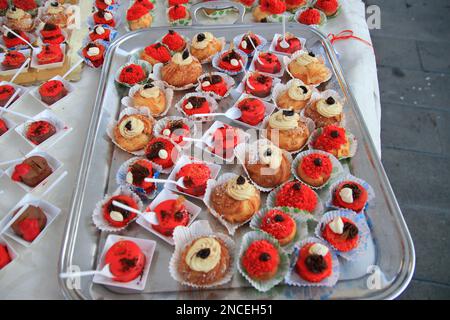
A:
<point x="382" y="272"/>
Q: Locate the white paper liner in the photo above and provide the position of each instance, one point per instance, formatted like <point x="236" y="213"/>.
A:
<point x="292" y="277"/>
<point x="241" y="87"/>
<point x="238" y="38"/>
<point x="281" y="88"/>
<point x="35" y="64"/>
<point x="184" y="236"/>
<point x="269" y="108"/>
<point x="97" y="215"/>
<point x="338" y="11"/>
<point x="222" y="41"/>
<point x="295" y="55"/>
<point x="112" y="35"/>
<point x="213" y="106"/>
<point x="228" y="80"/>
<point x="215" y="62"/>
<point x="351" y="138"/>
<point x="116" y="17"/>
<point x="273" y="44"/>
<point x="349" y="177"/>
<point x="318" y="210"/>
<point x="161" y="124"/>
<point x="147" y="67"/>
<point x="280" y="59"/>
<point x="241" y="151"/>
<point x="323" y="17"/>
<point x="113" y="123"/>
<point x="85" y="43"/>
<point x="157" y="76"/>
<point x="231" y="227"/>
<point x="283" y="266"/>
<point x="70" y="88"/>
<point x="7" y="72"/>
<point x="300" y="222"/>
<point x="363" y="232"/>
<point x="336" y="171"/>
<point x="129" y="103"/>
<point x="317" y="95"/>
<point x="187" y="21"/>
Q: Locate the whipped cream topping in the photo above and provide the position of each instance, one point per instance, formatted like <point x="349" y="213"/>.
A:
<point x="206" y="84"/>
<point x="318" y="249"/>
<point x="108" y="2"/>
<point x="329" y="107"/>
<point x="116" y="216"/>
<point x="305" y="59"/>
<point x="163" y="154"/>
<point x="182" y="59"/>
<point x="234" y="62"/>
<point x="166" y="132"/>
<point x="204" y="254"/>
<point x="99" y="30"/>
<point x="93" y="51"/>
<point x="284" y="120"/>
<point x="299" y="91"/>
<point x="149" y="93"/>
<point x="15" y="14"/>
<point x="108" y="16"/>
<point x="346" y="195"/>
<point x="129" y="178"/>
<point x="131" y="127"/>
<point x="201" y="40"/>
<point x="337" y="225"/>
<point x="264" y="152"/>
<point x="240" y="189"/>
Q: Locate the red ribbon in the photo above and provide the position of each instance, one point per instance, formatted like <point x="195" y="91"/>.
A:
<point x="345" y="35"/>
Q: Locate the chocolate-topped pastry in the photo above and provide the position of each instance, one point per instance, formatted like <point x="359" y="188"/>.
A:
<point x="32" y="171"/>
<point x="196" y="102"/>
<point x="39" y="131"/>
<point x="30" y="223"/>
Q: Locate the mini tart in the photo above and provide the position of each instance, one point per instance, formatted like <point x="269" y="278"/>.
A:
<point x="225" y="139"/>
<point x="310" y="16"/>
<point x="295" y="97"/>
<point x="204" y="45"/>
<point x="52" y="91"/>
<point x="32" y="171"/>
<point x="137" y="172"/>
<point x="50" y="53"/>
<point x="315" y="169"/>
<point x="341" y="233"/>
<point x="104" y="4"/>
<point x="11" y="40"/>
<point x="279" y="225"/>
<point x="161" y="151"/>
<point x="176" y="130"/>
<point x="292" y="5"/>
<point x="229" y="61"/>
<point x="294" y="44"/>
<point x="138" y="17"/>
<point x="3" y="127"/>
<point x="333" y="139"/>
<point x="95" y="53"/>
<point x="329" y="7"/>
<point x="100" y="33"/>
<point x="174" y="41"/>
<point x="248" y="42"/>
<point x="288" y="130"/>
<point x="350" y="195"/>
<point x="182" y="70"/>
<point x="132" y="74"/>
<point x="258" y="85"/>
<point x="126" y="261"/>
<point x="151" y="97"/>
<point x="308" y="68"/>
<point x="104" y="17"/>
<point x="261" y="260"/>
<point x="156" y="53"/>
<point x="253" y="111"/>
<point x="118" y="217"/>
<point x="133" y="132"/>
<point x="267" y="62"/>
<point x="195" y="105"/>
<point x="170" y="214"/>
<point x="5" y="257"/>
<point x="267" y="8"/>
<point x="39" y="131"/>
<point x="214" y="83"/>
<point x="325" y="112"/>
<point x="13" y="60"/>
<point x="52" y="34"/>
<point x="313" y="267"/>
<point x="6" y="92"/>
<point x="195" y="176"/>
<point x="30" y="223"/>
<point x="204" y="261"/>
<point x="296" y="195"/>
<point x="178" y="12"/>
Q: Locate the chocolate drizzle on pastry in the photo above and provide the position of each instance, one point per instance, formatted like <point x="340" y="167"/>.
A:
<point x="139" y="173"/>
<point x="154" y="150"/>
<point x="316" y="263"/>
<point x="214" y="79"/>
<point x="231" y="55"/>
<point x="350" y="231"/>
<point x="175" y="125"/>
<point x="196" y="102"/>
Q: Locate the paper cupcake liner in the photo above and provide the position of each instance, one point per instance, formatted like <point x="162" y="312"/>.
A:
<point x="97" y="215"/>
<point x="128" y="100"/>
<point x="228" y="80"/>
<point x="157" y="76"/>
<point x="113" y="123"/>
<point x="317" y="95"/>
<point x="363" y="232"/>
<point x="323" y="17"/>
<point x="283" y="267"/>
<point x="238" y="38"/>
<point x="273" y="44"/>
<point x="292" y="278"/>
<point x="281" y="88"/>
<point x="268" y="98"/>
<point x="144" y="64"/>
<point x="161" y="124"/>
<point x="241" y="150"/>
<point x="338" y="11"/>
<point x="350" y="137"/>
<point x="211" y="184"/>
<point x="276" y="75"/>
<point x="216" y="58"/>
<point x="269" y="108"/>
<point x="184" y="236"/>
<point x="213" y="106"/>
<point x="336" y="171"/>
<point x="300" y="222"/>
<point x="318" y="210"/>
<point x="86" y="60"/>
<point x="349" y="177"/>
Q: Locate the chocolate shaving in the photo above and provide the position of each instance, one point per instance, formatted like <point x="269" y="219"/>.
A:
<point x="316" y="263"/>
<point x="127" y="264"/>
<point x="154" y="150"/>
<point x="139" y="173"/>
<point x="125" y="213"/>
<point x="196" y="102"/>
<point x="350" y="231"/>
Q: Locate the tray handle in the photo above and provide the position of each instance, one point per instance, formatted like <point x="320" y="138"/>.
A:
<point x="217" y="5"/>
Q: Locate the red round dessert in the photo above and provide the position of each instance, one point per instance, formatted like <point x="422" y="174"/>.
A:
<point x="161" y="151"/>
<point x="3" y="127"/>
<point x="278" y="224"/>
<point x="170" y="214"/>
<point x="216" y="84"/>
<point x="39" y="131"/>
<point x="6" y="92"/>
<point x="175" y="2"/>
<point x="261" y="259"/>
<point x="126" y="261"/>
<point x="99" y="18"/>
<point x="253" y="111"/>
<point x="273" y="6"/>
<point x="294" y="45"/>
<point x="195" y="105"/>
<point x="52" y="91"/>
<point x="331" y="138"/>
<point x="50" y="53"/>
<point x="101" y="5"/>
<point x="346" y="241"/>
<point x="136" y="11"/>
<point x="315" y="165"/>
<point x="177" y="12"/>
<point x="5" y="258"/>
<point x="310" y="16"/>
<point x="174" y="41"/>
<point x="296" y="195"/>
<point x="11" y="40"/>
<point x="13" y="60"/>
<point x="132" y="74"/>
<point x="98" y="59"/>
<point x="231" y="61"/>
<point x="195" y="177"/>
<point x="176" y="130"/>
<point x="312" y="267"/>
<point x="267" y="62"/>
<point x="127" y="216"/>
<point x="146" y="4"/>
<point x="158" y="52"/>
<point x="259" y="85"/>
<point x="225" y="139"/>
<point x="329" y="7"/>
<point x="137" y="172"/>
<point x="52" y="34"/>
<point x="249" y="41"/>
<point x="359" y="194"/>
<point x="26" y="5"/>
<point x="96" y="35"/>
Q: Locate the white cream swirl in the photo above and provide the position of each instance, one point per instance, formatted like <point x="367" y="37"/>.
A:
<point x="204" y="255"/>
<point x="337" y="225"/>
<point x="299" y="91"/>
<point x="280" y="120"/>
<point x="306" y="59"/>
<point x="328" y="110"/>
<point x="150" y="93"/>
<point x="208" y="37"/>
<point x="319" y="249"/>
<point x="131" y="127"/>
<point x="270" y="155"/>
<point x="240" y="189"/>
<point x="178" y="59"/>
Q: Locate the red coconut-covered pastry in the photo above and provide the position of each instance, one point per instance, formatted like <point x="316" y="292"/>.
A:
<point x="52" y="91"/>
<point x="293" y="42"/>
<point x="146" y="4"/>
<point x="248" y="43"/>
<point x="161" y="151"/>
<point x="258" y="85"/>
<point x="6" y="92"/>
<point x="3" y="127"/>
<point x="104" y="4"/>
<point x="333" y="139"/>
<point x="310" y="16"/>
<point x="195" y="176"/>
<point x="118" y="217"/>
<point x="279" y="225"/>
<point x="329" y="7"/>
<point x="11" y="40"/>
<point x="177" y="12"/>
<point x="261" y="260"/>
<point x="267" y="62"/>
<point x="231" y="61"/>
<point x="176" y="130"/>
<point x="350" y="195"/>
<point x="137" y="172"/>
<point x="32" y="171"/>
<point x="341" y="233"/>
<point x="104" y="17"/>
<point x="273" y="6"/>
<point x="94" y="52"/>
<point x="195" y="105"/>
<point x="253" y="111"/>
<point x="214" y="83"/>
<point x="126" y="261"/>
<point x="292" y="5"/>
<point x="174" y="41"/>
<point x="225" y="139"/>
<point x="30" y="223"/>
<point x="314" y="262"/>
<point x="170" y="214"/>
<point x="5" y="257"/>
<point x="26" y="5"/>
<point x="13" y="60"/>
<point x="100" y="33"/>
<point x="296" y="195"/>
<point x="138" y="17"/>
<point x="175" y="2"/>
<point x="132" y="74"/>
<point x="156" y="53"/>
<point x="52" y="34"/>
<point x="315" y="169"/>
<point x="50" y="53"/>
<point x="39" y="131"/>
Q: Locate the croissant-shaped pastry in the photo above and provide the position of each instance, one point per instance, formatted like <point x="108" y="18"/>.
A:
<point x="182" y="70"/>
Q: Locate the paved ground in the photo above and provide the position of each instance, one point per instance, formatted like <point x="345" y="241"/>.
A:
<point x="413" y="57"/>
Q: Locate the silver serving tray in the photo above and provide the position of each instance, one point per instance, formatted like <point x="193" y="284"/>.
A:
<point x="382" y="273"/>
